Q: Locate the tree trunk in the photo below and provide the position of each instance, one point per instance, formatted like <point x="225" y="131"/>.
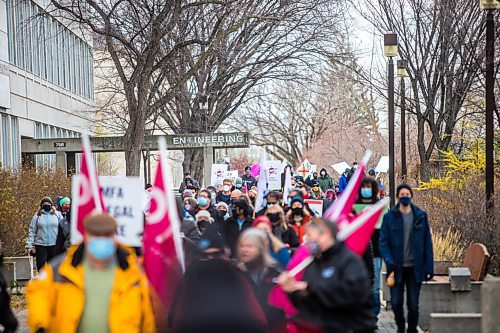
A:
<point x="193" y="162"/>
<point x="133" y="142"/>
<point x="424" y="163"/>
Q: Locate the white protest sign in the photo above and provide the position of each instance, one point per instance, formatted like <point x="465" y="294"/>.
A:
<point x="383" y="165"/>
<point x="340" y="167"/>
<point x="123" y="198"/>
<point x="305" y="169"/>
<point x="233" y="174"/>
<point x="274" y="175"/>
<point x="218" y="173"/>
<point x="316" y="206"/>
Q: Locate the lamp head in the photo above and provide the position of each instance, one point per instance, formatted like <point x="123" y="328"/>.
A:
<point x="402" y="70"/>
<point x="390" y="45"/>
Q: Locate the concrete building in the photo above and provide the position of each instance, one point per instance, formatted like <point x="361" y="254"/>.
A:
<point x="46" y="78"/>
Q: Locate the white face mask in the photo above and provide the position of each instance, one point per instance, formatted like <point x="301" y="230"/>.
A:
<point x="226" y="188"/>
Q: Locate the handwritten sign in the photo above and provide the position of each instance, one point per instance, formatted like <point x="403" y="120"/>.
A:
<point x="316" y="206"/>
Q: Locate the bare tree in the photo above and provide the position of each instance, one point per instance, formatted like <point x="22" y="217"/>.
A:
<point x="291" y="120"/>
<point x="443" y="43"/>
<point x="273" y="41"/>
<point x="167" y="51"/>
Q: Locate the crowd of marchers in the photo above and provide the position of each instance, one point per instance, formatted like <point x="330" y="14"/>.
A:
<point x="235" y="254"/>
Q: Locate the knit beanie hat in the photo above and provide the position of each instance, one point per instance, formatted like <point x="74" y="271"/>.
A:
<point x="46" y="200"/>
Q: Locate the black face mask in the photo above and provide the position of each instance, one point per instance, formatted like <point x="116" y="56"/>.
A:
<point x="274" y="217"/>
<point x="298" y="211"/>
<point x="47" y="208"/>
<point x="203" y="225"/>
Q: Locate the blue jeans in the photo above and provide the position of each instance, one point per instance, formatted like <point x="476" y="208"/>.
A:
<point x="377" y="264"/>
<point x="412" y="296"/>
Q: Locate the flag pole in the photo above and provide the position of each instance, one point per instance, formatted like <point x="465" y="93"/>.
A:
<point x="172" y="209"/>
<point x="87" y="150"/>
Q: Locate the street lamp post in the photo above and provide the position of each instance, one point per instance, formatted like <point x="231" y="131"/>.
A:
<point x="402" y="73"/>
<point x="490" y="6"/>
<point x="391" y="50"/>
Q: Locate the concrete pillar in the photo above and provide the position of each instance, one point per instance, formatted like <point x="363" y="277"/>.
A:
<point x="490" y="303"/>
<point x="208" y="160"/>
<point x="61" y="160"/>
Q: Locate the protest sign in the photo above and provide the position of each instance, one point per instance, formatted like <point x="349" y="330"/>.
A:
<point x="316" y="206"/>
<point x="383" y="165"/>
<point x="274" y="175"/>
<point x="305" y="169"/>
<point x="359" y="207"/>
<point x="233" y="174"/>
<point x="218" y="173"/>
<point x="123" y="198"/>
<point x="340" y="167"/>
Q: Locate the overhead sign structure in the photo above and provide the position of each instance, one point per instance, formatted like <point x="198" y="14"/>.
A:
<point x="123" y="198"/>
<point x="116" y="143"/>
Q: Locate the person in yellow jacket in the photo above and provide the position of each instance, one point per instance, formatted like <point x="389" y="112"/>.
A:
<point x="96" y="287"/>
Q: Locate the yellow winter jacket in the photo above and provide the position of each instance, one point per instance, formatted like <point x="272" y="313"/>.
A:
<point x="56" y="298"/>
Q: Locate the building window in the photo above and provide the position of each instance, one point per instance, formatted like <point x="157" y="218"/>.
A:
<point x="6" y="152"/>
<point x="16" y="151"/>
<point x="41" y="45"/>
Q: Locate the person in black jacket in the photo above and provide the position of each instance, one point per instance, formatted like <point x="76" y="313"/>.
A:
<point x="234" y="226"/>
<point x="7" y="318"/>
<point x="247" y="178"/>
<point x="334" y="294"/>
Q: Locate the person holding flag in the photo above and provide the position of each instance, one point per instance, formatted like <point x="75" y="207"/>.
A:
<point x="334" y="294"/>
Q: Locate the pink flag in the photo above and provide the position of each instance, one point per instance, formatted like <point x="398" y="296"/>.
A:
<point x="277" y="297"/>
<point x="358" y="232"/>
<point x="341" y="208"/>
<point x="163" y="252"/>
<point x="245" y="189"/>
<point x="255" y="170"/>
<point x="90" y="196"/>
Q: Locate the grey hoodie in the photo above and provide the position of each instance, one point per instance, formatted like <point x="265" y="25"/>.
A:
<point x="43" y="229"/>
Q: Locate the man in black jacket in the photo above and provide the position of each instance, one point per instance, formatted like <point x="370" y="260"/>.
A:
<point x="234" y="226"/>
<point x="334" y="294"/>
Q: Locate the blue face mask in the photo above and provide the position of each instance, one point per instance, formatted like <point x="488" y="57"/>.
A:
<point x="289" y="201"/>
<point x="101" y="248"/>
<point x="202" y="201"/>
<point x="366" y="193"/>
<point x="238" y="185"/>
<point x="405" y="201"/>
<point x="213" y="196"/>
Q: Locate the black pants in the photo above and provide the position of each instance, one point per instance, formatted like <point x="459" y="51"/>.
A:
<point x="412" y="297"/>
<point x="43" y="255"/>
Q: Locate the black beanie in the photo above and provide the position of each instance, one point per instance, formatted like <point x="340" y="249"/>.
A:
<point x="402" y="186"/>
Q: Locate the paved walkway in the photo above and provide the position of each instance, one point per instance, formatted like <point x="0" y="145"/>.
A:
<point x="386" y="322"/>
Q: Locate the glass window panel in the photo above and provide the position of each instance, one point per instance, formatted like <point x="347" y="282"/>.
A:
<point x="16" y="154"/>
<point x="28" y="42"/>
<point x="6" y="157"/>
<point x="20" y="35"/>
<point x="37" y="41"/>
<point x="11" y="32"/>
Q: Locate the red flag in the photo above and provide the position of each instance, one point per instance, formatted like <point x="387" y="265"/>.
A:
<point x="358" y="232"/>
<point x="277" y="297"/>
<point x="90" y="196"/>
<point x="341" y="208"/>
<point x="163" y="253"/>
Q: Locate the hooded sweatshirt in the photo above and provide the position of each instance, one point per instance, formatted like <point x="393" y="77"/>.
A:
<point x="325" y="182"/>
